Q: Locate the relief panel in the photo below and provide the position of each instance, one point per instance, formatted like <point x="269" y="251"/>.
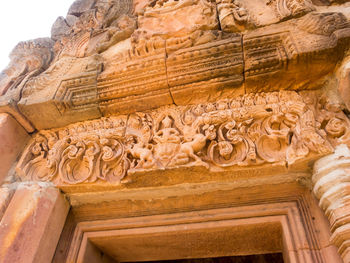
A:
<point x="278" y="128"/>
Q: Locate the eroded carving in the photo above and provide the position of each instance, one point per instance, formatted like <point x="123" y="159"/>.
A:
<point x="290" y="8"/>
<point x="278" y="57"/>
<point x="241" y="15"/>
<point x="233" y="17"/>
<point x="177" y="18"/>
<point x="28" y="59"/>
<point x="93" y="26"/>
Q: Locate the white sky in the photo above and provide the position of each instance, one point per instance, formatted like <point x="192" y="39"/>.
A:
<point x="27" y="19"/>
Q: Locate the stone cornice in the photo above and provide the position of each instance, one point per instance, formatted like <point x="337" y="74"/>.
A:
<point x="100" y="70"/>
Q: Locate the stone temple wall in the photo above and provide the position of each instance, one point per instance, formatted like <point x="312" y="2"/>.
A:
<point x="141" y="102"/>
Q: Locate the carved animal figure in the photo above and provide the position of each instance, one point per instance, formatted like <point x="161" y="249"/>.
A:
<point x="144" y="153"/>
<point x="190" y="148"/>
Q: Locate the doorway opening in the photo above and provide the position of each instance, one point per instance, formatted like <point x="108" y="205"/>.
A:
<point x="265" y="258"/>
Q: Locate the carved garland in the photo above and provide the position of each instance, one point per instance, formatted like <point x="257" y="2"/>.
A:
<point x="278" y="127"/>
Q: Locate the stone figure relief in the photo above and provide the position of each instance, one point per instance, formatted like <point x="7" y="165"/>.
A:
<point x="94" y="26"/>
<point x="227" y="65"/>
<point x="251" y="130"/>
<point x="233" y="17"/>
<point x="28" y="59"/>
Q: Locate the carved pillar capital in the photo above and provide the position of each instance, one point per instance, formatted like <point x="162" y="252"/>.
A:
<point x="331" y="185"/>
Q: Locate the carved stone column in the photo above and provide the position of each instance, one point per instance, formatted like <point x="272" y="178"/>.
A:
<point x="331" y="185"/>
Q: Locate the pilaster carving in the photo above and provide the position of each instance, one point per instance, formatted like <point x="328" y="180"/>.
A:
<point x="331" y="181"/>
<point x="254" y="129"/>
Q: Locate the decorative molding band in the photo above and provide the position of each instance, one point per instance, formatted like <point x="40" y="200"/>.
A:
<point x="331" y="181"/>
<point x="251" y="130"/>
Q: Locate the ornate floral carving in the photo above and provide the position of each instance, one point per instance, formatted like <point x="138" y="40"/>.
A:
<point x="82" y="152"/>
<point x="278" y="127"/>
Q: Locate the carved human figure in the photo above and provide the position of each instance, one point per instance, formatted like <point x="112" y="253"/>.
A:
<point x="167" y="134"/>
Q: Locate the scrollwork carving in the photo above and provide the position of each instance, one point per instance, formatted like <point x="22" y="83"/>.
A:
<point x="78" y="154"/>
<point x="253" y="129"/>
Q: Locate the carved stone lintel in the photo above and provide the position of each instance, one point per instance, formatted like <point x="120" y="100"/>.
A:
<point x="331" y="180"/>
<point x="254" y="129"/>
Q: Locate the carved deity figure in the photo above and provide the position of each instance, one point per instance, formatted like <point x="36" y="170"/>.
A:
<point x="167" y="140"/>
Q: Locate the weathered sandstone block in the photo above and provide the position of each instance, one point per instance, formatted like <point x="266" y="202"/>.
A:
<point x="12" y="141"/>
<point x="32" y="223"/>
